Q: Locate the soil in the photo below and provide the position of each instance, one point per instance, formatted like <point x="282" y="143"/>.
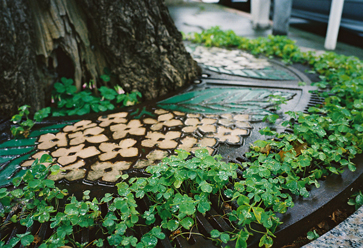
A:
<point x="336" y="217"/>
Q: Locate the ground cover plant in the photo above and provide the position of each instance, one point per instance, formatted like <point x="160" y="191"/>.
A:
<point x="70" y="102"/>
<point x="321" y="143"/>
<point x="24" y="126"/>
<point x="66" y="101"/>
<point x="178" y="189"/>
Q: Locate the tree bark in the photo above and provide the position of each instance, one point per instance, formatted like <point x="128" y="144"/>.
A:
<point x="44" y="40"/>
<point x="19" y="80"/>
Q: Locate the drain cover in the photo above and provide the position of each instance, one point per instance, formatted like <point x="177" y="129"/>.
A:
<point x="223" y="111"/>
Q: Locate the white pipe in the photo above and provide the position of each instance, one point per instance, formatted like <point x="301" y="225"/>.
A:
<point x="260" y="10"/>
<point x="334" y="23"/>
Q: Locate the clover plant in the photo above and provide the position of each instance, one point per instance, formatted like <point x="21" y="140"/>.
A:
<point x="356" y="200"/>
<point x="311" y="235"/>
<point x="22" y="128"/>
<point x="323" y="142"/>
<point x="71" y="102"/>
<point x="182" y="186"/>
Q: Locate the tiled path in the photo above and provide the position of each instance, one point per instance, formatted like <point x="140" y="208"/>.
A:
<point x="214" y="114"/>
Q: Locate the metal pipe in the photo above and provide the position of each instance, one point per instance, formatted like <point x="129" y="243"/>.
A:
<point x="281" y="17"/>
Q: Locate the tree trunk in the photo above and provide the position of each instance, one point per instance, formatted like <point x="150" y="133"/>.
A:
<point x="19" y="80"/>
<point x="44" y="40"/>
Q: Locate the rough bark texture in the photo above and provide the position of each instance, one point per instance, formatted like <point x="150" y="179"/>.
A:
<point x="19" y="81"/>
<point x="48" y="39"/>
<point x="141" y="45"/>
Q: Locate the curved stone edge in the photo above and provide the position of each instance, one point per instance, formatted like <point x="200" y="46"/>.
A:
<point x="348" y="233"/>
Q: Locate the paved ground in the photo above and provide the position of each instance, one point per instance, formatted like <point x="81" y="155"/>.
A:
<point x="195" y="16"/>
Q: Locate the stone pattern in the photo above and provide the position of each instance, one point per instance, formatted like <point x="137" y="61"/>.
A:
<point x="109" y="145"/>
<point x="14" y="152"/>
<point x="236" y="63"/>
<point x="349" y="233"/>
<point x="104" y="148"/>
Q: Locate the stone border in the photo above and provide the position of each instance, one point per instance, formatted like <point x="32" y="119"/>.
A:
<point x="348" y="233"/>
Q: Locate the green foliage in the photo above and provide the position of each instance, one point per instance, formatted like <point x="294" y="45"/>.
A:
<point x="356" y="200"/>
<point x="24" y="126"/>
<point x="71" y="102"/>
<point x="181" y="188"/>
<point x="42" y="114"/>
<point x="65" y="86"/>
<point x="36" y="199"/>
<point x="178" y="189"/>
<point x="311" y="235"/>
<point x="323" y="142"/>
<point x="333" y="131"/>
<point x="271" y="46"/>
